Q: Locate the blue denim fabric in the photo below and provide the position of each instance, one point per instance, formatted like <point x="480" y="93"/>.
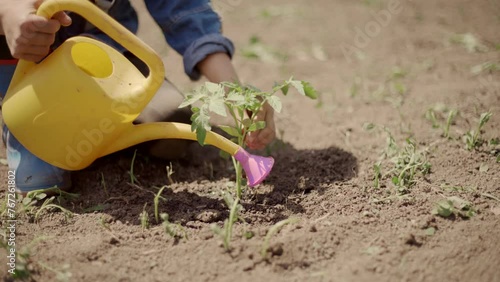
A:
<point x="192" y="28"/>
<point x="6" y="73"/>
<point x="31" y="172"/>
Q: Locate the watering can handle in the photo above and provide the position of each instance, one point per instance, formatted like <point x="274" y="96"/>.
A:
<point x="114" y="30"/>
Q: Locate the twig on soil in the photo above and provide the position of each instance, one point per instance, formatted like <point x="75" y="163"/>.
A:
<point x="321" y="218"/>
<point x="489" y="196"/>
<point x="141" y="188"/>
<point x="117" y="198"/>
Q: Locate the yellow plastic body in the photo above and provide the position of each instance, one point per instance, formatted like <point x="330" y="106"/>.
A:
<point x="79" y="103"/>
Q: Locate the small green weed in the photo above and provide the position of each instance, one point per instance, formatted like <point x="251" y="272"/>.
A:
<point x="144" y="218"/>
<point x="454" y="206"/>
<point x="24" y="263"/>
<point x="170" y="172"/>
<point x="430" y="231"/>
<point x="272" y="231"/>
<point x="449" y="120"/>
<point x="48" y="205"/>
<point x="104" y="223"/>
<point x="29" y="203"/>
<point x="98" y="207"/>
<point x="63" y="275"/>
<point x="226" y="232"/>
<point x="133" y="178"/>
<point x="256" y="49"/>
<point x="157" y="202"/>
<point x="472" y="138"/>
<point x="469" y="42"/>
<point x="408" y="162"/>
<point x="489" y="67"/>
<point x="441" y="117"/>
<point x="175" y="231"/>
<point x="103" y="184"/>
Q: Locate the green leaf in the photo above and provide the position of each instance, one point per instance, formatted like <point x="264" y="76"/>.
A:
<point x="26" y="201"/>
<point x="247" y="123"/>
<point x="284" y="89"/>
<point x="40" y="196"/>
<point x="192" y="98"/>
<point x="399" y="87"/>
<point x="430" y="231"/>
<point x="485" y="117"/>
<point x="275" y="103"/>
<point x="214" y="88"/>
<point x="230" y="130"/>
<point x="309" y="90"/>
<point x="368" y="126"/>
<point x="217" y="106"/>
<point x="201" y="135"/>
<point x="444" y="208"/>
<point x="248" y="235"/>
<point x="460" y="203"/>
<point x="200" y="124"/>
<point x="299" y="86"/>
<point x="235" y="97"/>
<point x="257" y="126"/>
<point x="395" y="180"/>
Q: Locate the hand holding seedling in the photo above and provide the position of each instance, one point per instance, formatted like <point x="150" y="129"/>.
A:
<point x="218" y="68"/>
<point x="259" y="139"/>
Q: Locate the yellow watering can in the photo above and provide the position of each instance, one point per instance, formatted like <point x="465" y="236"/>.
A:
<point x="79" y="103"/>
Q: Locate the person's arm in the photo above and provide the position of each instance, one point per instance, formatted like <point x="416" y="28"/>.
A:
<point x="28" y="36"/>
<point x="193" y="29"/>
<point x="217" y="67"/>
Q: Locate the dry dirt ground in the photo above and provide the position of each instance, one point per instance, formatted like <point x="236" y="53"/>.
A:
<point x="423" y="56"/>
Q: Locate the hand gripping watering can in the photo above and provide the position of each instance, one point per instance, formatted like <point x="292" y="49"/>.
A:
<point x="79" y="103"/>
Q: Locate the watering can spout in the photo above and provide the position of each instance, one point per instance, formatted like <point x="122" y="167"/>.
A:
<point x="256" y="168"/>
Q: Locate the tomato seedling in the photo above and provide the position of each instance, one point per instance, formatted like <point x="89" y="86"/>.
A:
<point x="243" y="103"/>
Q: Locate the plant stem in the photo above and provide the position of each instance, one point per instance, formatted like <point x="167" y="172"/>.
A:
<point x="232" y="219"/>
<point x="239" y="190"/>
<point x="133" y="179"/>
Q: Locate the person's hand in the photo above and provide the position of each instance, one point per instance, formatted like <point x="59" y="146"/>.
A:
<point x="29" y="36"/>
<point x="261" y="138"/>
